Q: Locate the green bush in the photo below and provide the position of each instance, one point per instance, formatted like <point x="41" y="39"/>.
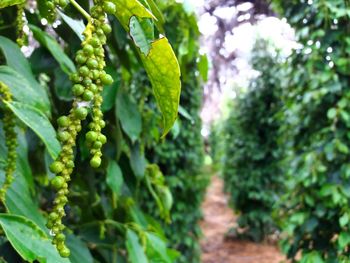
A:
<point x="91" y="153"/>
<point x="314" y="213"/>
<point x="180" y="157"/>
<point x="251" y="170"/>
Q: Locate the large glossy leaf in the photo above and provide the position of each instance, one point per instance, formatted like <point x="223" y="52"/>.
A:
<point x="29" y="240"/>
<point x="160" y="63"/>
<point x="55" y="49"/>
<point x="136" y="253"/>
<point x="20" y="87"/>
<point x="114" y="177"/>
<point x="16" y="60"/>
<point x="129" y="116"/>
<point x="164" y="73"/>
<point x="19" y="201"/>
<point x="5" y="3"/>
<point x="39" y="123"/>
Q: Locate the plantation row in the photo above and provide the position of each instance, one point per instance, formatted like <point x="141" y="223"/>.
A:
<point x="285" y="158"/>
<point x="87" y="173"/>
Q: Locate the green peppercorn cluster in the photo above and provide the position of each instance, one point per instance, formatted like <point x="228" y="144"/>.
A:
<point x="50" y="5"/>
<point x="11" y="140"/>
<point x="88" y="84"/>
<point x="22" y="38"/>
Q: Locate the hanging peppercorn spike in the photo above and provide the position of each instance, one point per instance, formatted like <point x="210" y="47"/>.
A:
<point x="88" y="85"/>
<point x="9" y="124"/>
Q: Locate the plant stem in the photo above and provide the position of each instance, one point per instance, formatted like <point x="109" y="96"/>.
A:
<point x="80" y="9"/>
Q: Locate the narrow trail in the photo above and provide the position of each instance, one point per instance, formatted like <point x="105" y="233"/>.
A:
<point x="218" y="218"/>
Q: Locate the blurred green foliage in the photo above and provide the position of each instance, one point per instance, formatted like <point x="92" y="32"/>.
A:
<point x="314" y="212"/>
<point x="251" y="170"/>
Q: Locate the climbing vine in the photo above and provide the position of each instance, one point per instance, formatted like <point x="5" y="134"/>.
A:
<point x="80" y="131"/>
<point x="9" y="124"/>
<point x="314" y="214"/>
<point x="252" y="171"/>
<point x="180" y="158"/>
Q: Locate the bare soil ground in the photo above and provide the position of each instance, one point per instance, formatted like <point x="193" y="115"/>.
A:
<point x="218" y="218"/>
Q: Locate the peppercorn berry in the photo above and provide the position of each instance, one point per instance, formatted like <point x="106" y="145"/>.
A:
<point x="87" y="88"/>
<point x="57" y="182"/>
<point x="109" y="7"/>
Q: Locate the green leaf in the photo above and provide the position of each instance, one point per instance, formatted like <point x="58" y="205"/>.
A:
<point x="5" y="3"/>
<point x="62" y="85"/>
<point x="19" y="200"/>
<point x="55" y="49"/>
<point x="331" y="113"/>
<point x="29" y="240"/>
<point x="16" y="60"/>
<point x="129" y="116"/>
<point x="139" y="36"/>
<point x="156" y="249"/>
<point x="114" y="177"/>
<point x="136" y="253"/>
<point x="161" y="64"/>
<point x="39" y="123"/>
<point x="203" y="67"/>
<point x="137" y="161"/>
<point x="344" y="220"/>
<point x="158" y="14"/>
<point x="128" y="8"/>
<point x="312" y="257"/>
<point x="109" y="93"/>
<point x="185" y="113"/>
<point x="21" y="88"/>
<point x="343" y="239"/>
<point x="77" y="26"/>
<point x="164" y="73"/>
<point x="78" y="250"/>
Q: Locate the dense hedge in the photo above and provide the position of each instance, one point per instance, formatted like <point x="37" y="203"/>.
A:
<point x="180" y="157"/>
<point x="251" y="169"/>
<point x="315" y="211"/>
<point x="104" y="220"/>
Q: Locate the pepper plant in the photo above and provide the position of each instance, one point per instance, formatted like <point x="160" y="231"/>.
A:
<point x="74" y="163"/>
<point x="251" y="169"/>
<point x="314" y="213"/>
<point x="180" y="157"/>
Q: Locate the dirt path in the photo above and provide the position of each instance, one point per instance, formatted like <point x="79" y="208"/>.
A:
<point x="218" y="218"/>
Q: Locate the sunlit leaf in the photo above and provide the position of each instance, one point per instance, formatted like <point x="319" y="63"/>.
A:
<point x="164" y="73"/>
